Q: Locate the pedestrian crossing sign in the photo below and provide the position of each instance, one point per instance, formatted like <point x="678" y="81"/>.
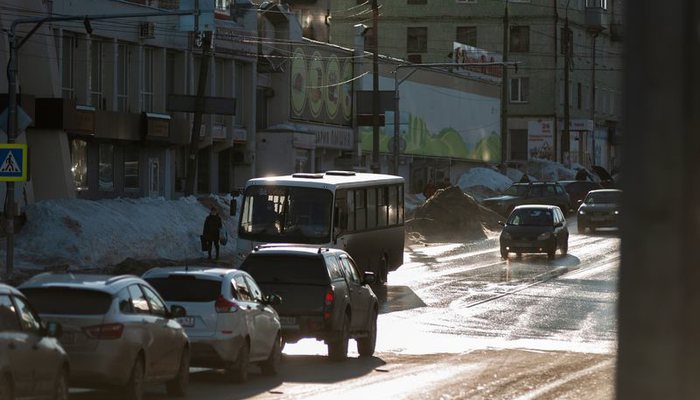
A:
<point x="13" y="162"/>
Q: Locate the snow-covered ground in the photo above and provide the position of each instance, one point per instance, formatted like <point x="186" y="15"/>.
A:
<point x="93" y="234"/>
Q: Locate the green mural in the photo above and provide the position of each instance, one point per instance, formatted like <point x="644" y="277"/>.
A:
<point x="416" y="139"/>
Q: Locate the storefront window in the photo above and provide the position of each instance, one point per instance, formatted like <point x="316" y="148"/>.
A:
<point x="106" y="164"/>
<point x="131" y="167"/>
<point x="78" y="156"/>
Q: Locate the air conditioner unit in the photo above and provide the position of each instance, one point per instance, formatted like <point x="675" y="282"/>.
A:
<point x="147" y="30"/>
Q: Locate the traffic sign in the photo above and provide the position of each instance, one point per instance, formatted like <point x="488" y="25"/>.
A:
<point x="13" y="162"/>
<point x="23" y="120"/>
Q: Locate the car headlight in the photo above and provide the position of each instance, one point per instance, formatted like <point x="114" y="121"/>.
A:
<point x="505" y="235"/>
<point x="616" y="212"/>
<point x="581" y="212"/>
<point x="544" y="236"/>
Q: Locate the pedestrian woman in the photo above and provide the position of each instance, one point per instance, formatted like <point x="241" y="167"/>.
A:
<point x="212" y="227"/>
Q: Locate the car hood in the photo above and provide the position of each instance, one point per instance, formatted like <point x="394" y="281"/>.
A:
<point x="599" y="207"/>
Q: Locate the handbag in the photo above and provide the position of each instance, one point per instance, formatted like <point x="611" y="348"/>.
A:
<point x="223" y="236"/>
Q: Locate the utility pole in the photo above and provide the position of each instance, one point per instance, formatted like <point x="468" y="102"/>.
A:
<point x="199" y="108"/>
<point x="504" y="89"/>
<point x="376" y="168"/>
<point x="565" y="138"/>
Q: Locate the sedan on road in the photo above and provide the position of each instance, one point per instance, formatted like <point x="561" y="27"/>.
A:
<point x="32" y="362"/>
<point x="600" y="208"/>
<point x="535" y="229"/>
<point x="118" y="332"/>
<point x="229" y="321"/>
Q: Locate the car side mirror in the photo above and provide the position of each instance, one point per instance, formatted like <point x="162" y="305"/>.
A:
<point x="559" y="224"/>
<point x="53" y="329"/>
<point x="233" y="205"/>
<point x="177" y="311"/>
<point x="501" y="223"/>
<point x="273" y="300"/>
<point x="368" y="278"/>
<point x="579" y="201"/>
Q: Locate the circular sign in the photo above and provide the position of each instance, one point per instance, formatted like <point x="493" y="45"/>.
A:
<point x="346" y="90"/>
<point x="332" y="87"/>
<point x="316" y="91"/>
<point x="298" y="83"/>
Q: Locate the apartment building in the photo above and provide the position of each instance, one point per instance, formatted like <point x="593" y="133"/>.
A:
<point x="424" y="31"/>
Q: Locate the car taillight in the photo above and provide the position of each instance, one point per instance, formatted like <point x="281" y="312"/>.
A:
<point x="328" y="304"/>
<point x="104" y="332"/>
<point x="223" y="305"/>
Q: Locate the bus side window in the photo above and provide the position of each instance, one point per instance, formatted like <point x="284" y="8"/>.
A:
<point x="382" y="208"/>
<point x="393" y="205"/>
<point x="360" y="210"/>
<point x="400" y="209"/>
<point x="371" y="208"/>
<point x="341" y="211"/>
<point x="351" y="210"/>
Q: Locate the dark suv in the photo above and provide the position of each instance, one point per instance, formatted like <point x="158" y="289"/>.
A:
<point x="324" y="296"/>
<point x="549" y="193"/>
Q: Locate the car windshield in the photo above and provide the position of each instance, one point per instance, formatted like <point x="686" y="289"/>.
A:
<point x="604" y="198"/>
<point x="270" y="269"/>
<point x="516" y="190"/>
<point x="530" y="217"/>
<point x="72" y="301"/>
<point x="286" y="214"/>
<point x="186" y="288"/>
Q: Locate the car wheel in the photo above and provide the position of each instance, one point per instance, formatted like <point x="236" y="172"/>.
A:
<point x="366" y="345"/>
<point x="61" y="388"/>
<point x="178" y="386"/>
<point x="504" y="253"/>
<point x="338" y="348"/>
<point x="6" y="390"/>
<point x="272" y="365"/>
<point x="552" y="252"/>
<point x="134" y="388"/>
<point x="239" y="371"/>
<point x="565" y="247"/>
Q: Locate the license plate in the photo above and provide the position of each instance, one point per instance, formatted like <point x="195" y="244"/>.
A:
<point x="288" y="321"/>
<point x="596" y="219"/>
<point x="186" y="321"/>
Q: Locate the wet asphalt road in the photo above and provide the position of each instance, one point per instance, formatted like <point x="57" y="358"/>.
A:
<point x="457" y="321"/>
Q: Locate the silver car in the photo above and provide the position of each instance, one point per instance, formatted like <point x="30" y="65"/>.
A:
<point x="32" y="362"/>
<point x="229" y="321"/>
<point x="117" y="330"/>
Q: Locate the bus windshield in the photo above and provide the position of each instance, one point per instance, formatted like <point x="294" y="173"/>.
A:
<point x="286" y="214"/>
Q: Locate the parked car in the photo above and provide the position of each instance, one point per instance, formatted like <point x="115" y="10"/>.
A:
<point x="229" y="321"/>
<point x="325" y="295"/>
<point x="600" y="208"/>
<point x="535" y="229"/>
<point x="550" y="193"/>
<point x="32" y="362"/>
<point x="578" y="190"/>
<point x="117" y="331"/>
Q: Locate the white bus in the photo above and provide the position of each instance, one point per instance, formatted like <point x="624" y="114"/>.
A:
<point x="361" y="213"/>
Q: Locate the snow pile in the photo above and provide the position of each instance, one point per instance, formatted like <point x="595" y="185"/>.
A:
<point x="484" y="177"/>
<point x="449" y="215"/>
<point x="86" y="233"/>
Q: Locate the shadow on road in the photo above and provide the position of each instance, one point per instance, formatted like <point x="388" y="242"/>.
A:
<point x="397" y="298"/>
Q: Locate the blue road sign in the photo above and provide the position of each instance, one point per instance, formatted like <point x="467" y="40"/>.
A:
<point x="13" y="162"/>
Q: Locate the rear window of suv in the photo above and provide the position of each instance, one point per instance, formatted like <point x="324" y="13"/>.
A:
<point x="68" y="301"/>
<point x="186" y="288"/>
<point x="270" y="269"/>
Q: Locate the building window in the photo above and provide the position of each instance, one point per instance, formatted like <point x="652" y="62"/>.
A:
<point x="466" y="35"/>
<point x="416" y="1"/>
<point x="68" y="86"/>
<point x="240" y="70"/>
<point x="131" y="167"/>
<point x="170" y="73"/>
<point x="78" y="156"/>
<point x="519" y="39"/>
<point x="415" y="58"/>
<point x="579" y="95"/>
<point x="123" y="77"/>
<point x="417" y="39"/>
<point x="147" y="88"/>
<point x="369" y="39"/>
<point x="106" y="166"/>
<point x="96" y="74"/>
<point x="220" y="87"/>
<point x="519" y="90"/>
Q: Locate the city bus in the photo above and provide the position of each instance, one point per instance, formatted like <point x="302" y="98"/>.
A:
<point x="361" y="213"/>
